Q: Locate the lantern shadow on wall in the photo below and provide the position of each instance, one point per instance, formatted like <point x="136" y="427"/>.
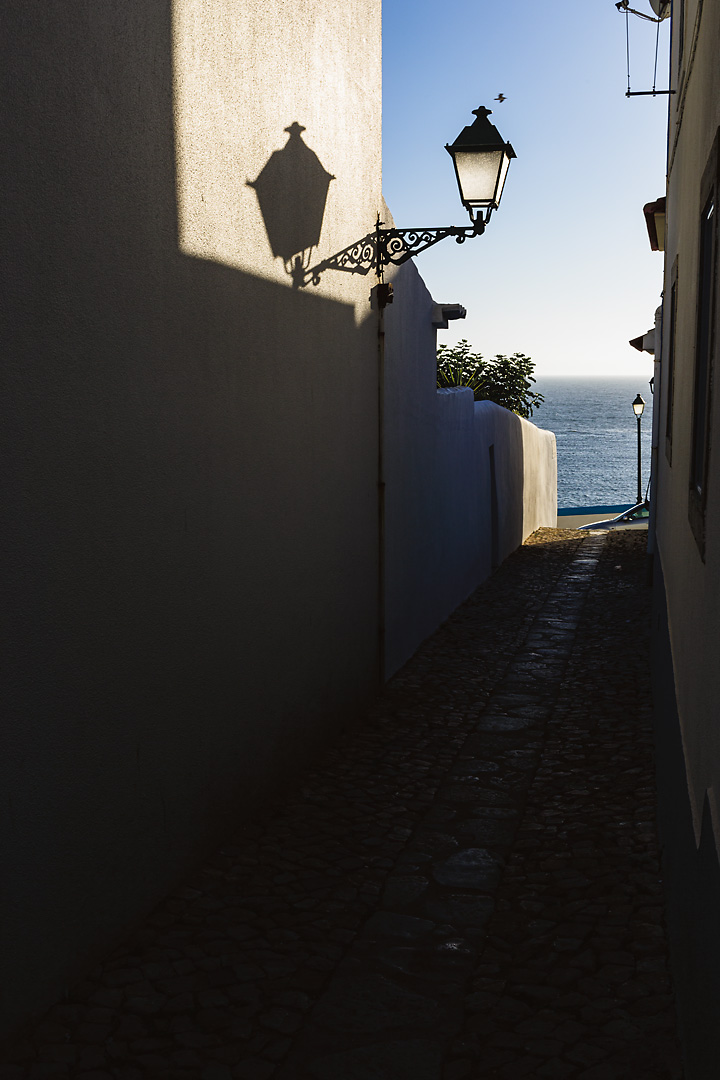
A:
<point x="292" y="191"/>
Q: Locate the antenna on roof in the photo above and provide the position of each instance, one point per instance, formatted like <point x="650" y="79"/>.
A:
<point x="662" y="9"/>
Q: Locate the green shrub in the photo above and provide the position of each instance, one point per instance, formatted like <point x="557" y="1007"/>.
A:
<point x="506" y="380"/>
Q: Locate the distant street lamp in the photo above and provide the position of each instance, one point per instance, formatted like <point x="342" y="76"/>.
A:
<point x="638" y="408"/>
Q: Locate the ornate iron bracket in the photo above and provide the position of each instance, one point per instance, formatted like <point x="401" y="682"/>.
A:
<point x="357" y="258"/>
<point x="396" y="246"/>
<point x="388" y="246"/>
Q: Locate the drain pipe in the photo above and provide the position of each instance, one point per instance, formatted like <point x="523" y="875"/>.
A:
<point x="382" y="295"/>
<point x="655" y="387"/>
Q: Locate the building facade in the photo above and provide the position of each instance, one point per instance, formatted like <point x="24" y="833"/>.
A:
<point x="190" y="439"/>
<point x="686" y="527"/>
<point x="194" y="550"/>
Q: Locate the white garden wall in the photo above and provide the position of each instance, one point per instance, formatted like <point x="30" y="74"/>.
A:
<point x="466" y="482"/>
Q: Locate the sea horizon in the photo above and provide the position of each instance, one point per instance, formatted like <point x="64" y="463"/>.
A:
<point x="596" y="431"/>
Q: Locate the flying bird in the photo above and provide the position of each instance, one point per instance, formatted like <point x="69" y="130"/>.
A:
<point x="500" y="97"/>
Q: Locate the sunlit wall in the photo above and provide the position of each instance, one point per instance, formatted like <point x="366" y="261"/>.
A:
<point x="243" y="74"/>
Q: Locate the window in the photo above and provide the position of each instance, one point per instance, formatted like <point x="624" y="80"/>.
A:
<point x="670" y="382"/>
<point x="702" y="352"/>
<point x="700" y="446"/>
<point x="680" y="16"/>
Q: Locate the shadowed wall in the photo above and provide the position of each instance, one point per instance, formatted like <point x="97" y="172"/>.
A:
<point x="189" y="449"/>
<point x="686" y="509"/>
<point x="466" y="481"/>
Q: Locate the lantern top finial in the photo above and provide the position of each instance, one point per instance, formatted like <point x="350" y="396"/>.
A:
<point x="481" y="134"/>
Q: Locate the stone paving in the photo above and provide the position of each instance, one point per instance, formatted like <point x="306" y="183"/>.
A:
<point x="466" y="887"/>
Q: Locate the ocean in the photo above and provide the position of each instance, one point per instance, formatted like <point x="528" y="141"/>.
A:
<point x="596" y="432"/>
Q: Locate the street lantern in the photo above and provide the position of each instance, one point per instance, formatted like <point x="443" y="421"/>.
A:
<point x="481" y="158"/>
<point x="638" y="406"/>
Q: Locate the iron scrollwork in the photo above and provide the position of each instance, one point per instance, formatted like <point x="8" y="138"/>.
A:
<point x="398" y="245"/>
<point x="357" y="258"/>
<point x="387" y="246"/>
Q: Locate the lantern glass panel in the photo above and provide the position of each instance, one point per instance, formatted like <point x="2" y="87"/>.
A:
<point x="478" y="175"/>
<point x="501" y="179"/>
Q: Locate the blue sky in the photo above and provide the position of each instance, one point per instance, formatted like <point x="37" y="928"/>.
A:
<point x="564" y="272"/>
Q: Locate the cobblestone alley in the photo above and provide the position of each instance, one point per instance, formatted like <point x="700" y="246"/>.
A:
<point x="468" y="886"/>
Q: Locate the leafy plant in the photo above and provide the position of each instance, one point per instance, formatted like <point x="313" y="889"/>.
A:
<point x="506" y="380"/>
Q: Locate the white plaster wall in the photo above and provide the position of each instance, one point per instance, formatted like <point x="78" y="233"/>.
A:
<point x="189" y="448"/>
<point x="439" y="507"/>
<point x="189" y="445"/>
<point x="244" y="72"/>
<point x="692" y="582"/>
<point x="539" y="478"/>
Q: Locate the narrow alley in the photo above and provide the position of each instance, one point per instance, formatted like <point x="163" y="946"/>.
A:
<point x="467" y="886"/>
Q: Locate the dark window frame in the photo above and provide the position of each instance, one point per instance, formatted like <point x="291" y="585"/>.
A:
<point x="680" y="30"/>
<point x="670" y="362"/>
<point x="706" y="304"/>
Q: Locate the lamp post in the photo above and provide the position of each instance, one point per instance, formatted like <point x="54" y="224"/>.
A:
<point x="638" y="408"/>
